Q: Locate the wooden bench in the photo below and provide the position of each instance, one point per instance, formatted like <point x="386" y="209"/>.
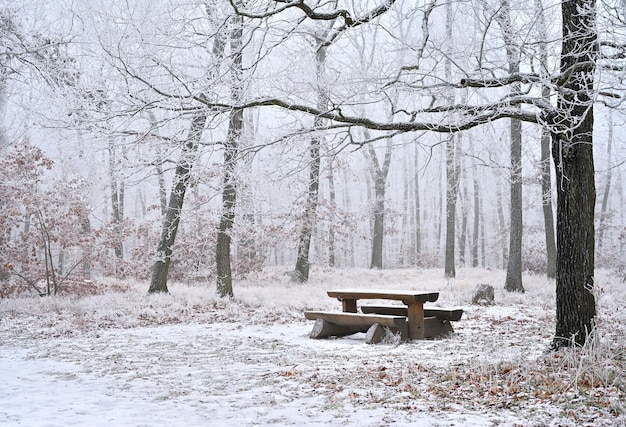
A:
<point x="411" y="320"/>
<point x="436" y="321"/>
<point x="338" y="324"/>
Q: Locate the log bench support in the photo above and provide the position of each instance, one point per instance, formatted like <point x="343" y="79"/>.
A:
<point x="436" y="321"/>
<point x="329" y="324"/>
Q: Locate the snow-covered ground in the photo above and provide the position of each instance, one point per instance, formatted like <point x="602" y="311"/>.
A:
<point x="192" y="359"/>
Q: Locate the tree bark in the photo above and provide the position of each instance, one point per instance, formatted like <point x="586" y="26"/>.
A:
<point x="171" y="220"/>
<point x="572" y="151"/>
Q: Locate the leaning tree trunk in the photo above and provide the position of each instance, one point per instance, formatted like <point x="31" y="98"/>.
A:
<point x="174" y="208"/>
<point x="572" y="151"/>
<point x="301" y="272"/>
<point x="304" y="246"/>
<point x="231" y="154"/>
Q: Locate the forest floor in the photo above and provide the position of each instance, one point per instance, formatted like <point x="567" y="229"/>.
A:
<point x="189" y="358"/>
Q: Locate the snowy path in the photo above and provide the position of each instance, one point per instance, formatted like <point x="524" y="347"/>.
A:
<point x="199" y="375"/>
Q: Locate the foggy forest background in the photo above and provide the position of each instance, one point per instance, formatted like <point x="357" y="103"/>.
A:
<point x="101" y="105"/>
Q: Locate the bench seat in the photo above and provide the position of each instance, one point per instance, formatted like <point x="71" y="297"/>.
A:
<point x="399" y="310"/>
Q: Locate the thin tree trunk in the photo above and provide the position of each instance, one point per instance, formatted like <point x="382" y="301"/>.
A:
<point x="171" y="220"/>
<point x="418" y="208"/>
<point x="452" y="181"/>
<point x="333" y="209"/>
<point x="501" y="223"/>
<point x="546" y="179"/>
<point x="452" y="169"/>
<point x="464" y="210"/>
<point x="117" y="200"/>
<point x="607" y="184"/>
<point x="475" y="234"/>
<point x="513" y="282"/>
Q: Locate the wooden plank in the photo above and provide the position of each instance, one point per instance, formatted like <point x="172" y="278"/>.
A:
<point x="357" y="319"/>
<point x="398" y="310"/>
<point x="392" y="310"/>
<point x="407" y="297"/>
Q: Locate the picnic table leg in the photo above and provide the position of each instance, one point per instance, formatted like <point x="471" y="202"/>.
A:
<point x="348" y="305"/>
<point x="416" y="321"/>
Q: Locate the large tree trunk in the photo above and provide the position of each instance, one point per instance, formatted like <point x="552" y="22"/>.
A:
<point x="572" y="151"/>
<point x="174" y="208"/>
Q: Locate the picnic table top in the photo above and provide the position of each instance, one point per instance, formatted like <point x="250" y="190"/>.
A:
<point x="406" y="296"/>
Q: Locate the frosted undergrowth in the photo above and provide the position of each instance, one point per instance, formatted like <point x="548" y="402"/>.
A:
<point x="251" y="356"/>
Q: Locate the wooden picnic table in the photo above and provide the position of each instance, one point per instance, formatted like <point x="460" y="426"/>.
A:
<point x="414" y="300"/>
